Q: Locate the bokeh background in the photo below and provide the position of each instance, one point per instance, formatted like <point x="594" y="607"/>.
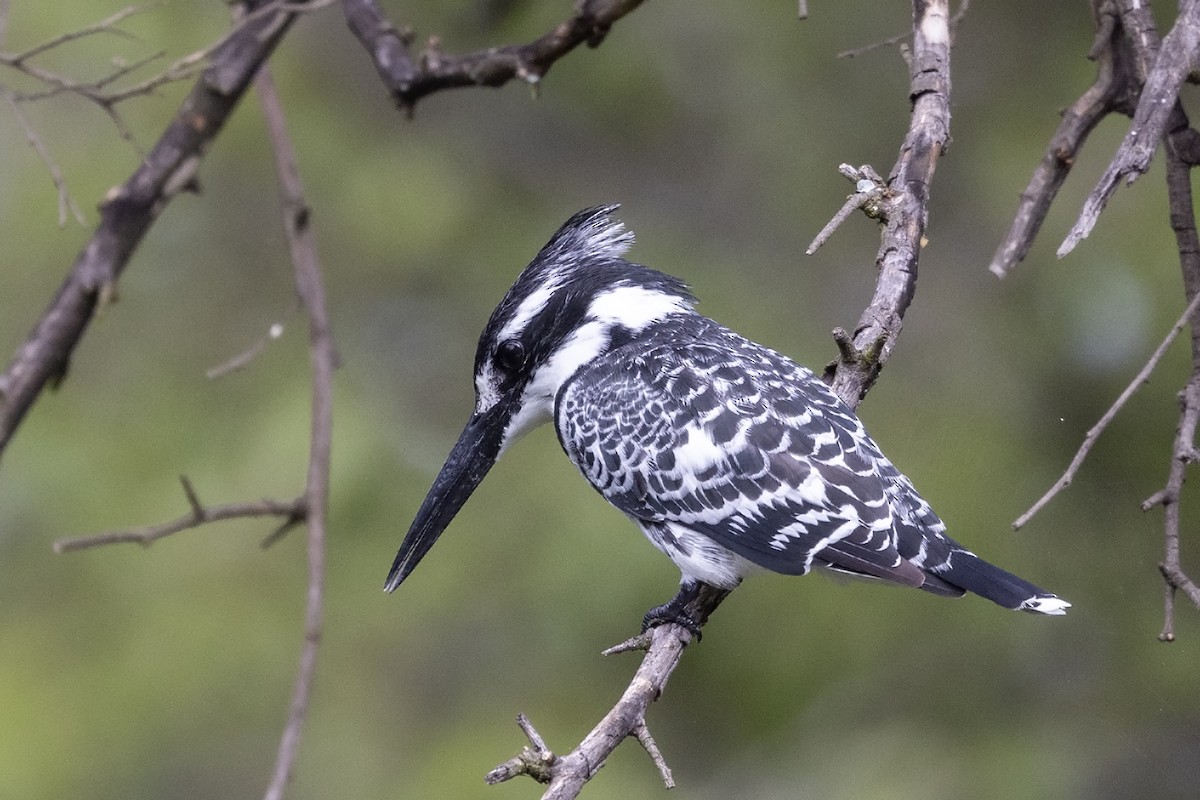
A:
<point x="165" y="672"/>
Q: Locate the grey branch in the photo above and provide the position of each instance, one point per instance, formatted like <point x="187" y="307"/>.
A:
<point x="1138" y="75"/>
<point x="1157" y="106"/>
<point x="1183" y="453"/>
<point x="904" y="207"/>
<point x="1115" y="89"/>
<point x="1089" y="439"/>
<point x="293" y="512"/>
<point x="566" y="775"/>
<point x="129" y="210"/>
<point x="411" y="79"/>
<point x="310" y="287"/>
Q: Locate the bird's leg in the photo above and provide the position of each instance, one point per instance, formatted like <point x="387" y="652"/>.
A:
<point x="690" y="607"/>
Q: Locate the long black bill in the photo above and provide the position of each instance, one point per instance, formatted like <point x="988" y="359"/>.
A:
<point x="473" y="455"/>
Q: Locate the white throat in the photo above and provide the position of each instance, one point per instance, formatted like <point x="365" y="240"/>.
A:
<point x="631" y="307"/>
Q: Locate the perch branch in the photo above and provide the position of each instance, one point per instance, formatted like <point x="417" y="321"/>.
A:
<point x="567" y="774"/>
<point x="904" y="209"/>
<point x="410" y="79"/>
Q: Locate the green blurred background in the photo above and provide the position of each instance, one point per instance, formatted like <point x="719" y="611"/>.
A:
<point x="131" y="673"/>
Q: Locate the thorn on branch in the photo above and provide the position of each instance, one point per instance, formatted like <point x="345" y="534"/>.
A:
<point x="535" y="760"/>
<point x="870" y="192"/>
<point x="189" y="492"/>
<point x="1159" y="498"/>
<point x="299" y="515"/>
<point x="640" y="642"/>
<point x="850" y="355"/>
<point x="647" y="741"/>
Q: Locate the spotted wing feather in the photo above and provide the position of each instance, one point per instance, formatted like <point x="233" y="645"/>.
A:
<point x="733" y="441"/>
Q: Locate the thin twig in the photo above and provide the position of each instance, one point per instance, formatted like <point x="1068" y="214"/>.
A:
<point x="869" y="193"/>
<point x="311" y="289"/>
<point x="108" y="25"/>
<point x="892" y="41"/>
<point x="242" y="359"/>
<point x="198" y="515"/>
<point x="66" y="203"/>
<point x="1089" y="440"/>
<point x="1183" y="453"/>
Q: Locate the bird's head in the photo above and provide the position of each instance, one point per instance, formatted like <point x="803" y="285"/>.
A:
<point x="577" y="300"/>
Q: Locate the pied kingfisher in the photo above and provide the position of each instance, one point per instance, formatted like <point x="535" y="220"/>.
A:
<point x="727" y="455"/>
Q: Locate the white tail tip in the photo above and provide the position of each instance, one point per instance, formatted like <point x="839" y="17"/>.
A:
<point x="1045" y="604"/>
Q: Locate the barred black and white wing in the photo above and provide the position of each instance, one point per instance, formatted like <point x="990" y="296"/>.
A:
<point x="702" y="436"/>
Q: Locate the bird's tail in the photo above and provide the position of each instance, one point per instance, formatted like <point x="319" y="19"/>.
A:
<point x="968" y="571"/>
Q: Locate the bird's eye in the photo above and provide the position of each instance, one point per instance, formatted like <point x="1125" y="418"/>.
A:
<point x="510" y="355"/>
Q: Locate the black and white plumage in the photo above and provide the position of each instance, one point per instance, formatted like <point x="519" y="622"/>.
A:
<point x="727" y="455"/>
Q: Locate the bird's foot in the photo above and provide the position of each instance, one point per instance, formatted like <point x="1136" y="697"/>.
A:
<point x="675" y="611"/>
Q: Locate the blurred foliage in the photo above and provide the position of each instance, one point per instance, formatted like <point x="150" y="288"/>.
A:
<point x="130" y="673"/>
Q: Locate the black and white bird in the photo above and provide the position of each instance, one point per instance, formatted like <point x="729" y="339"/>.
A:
<point x="727" y="455"/>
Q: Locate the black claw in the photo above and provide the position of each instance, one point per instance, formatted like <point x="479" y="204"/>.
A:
<point x="675" y="611"/>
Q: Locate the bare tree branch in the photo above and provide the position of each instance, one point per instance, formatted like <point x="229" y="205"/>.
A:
<point x="66" y="203"/>
<point x="130" y="209"/>
<point x="311" y="289"/>
<point x="1140" y="76"/>
<point x="410" y="80"/>
<point x="293" y="512"/>
<point x="1157" y="106"/>
<point x="1089" y="440"/>
<point x="1115" y="89"/>
<point x="1183" y="453"/>
<point x="904" y="206"/>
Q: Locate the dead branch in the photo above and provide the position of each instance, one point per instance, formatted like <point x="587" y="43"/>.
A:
<point x="1158" y="112"/>
<point x="1138" y="75"/>
<point x="130" y="209"/>
<point x="1183" y="453"/>
<point x="567" y="774"/>
<point x="1115" y="89"/>
<point x="311" y="289"/>
<point x="410" y="80"/>
<point x="903" y="207"/>
<point x="1089" y="439"/>
<point x="293" y="512"/>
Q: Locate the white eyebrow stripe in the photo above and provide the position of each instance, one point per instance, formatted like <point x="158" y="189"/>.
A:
<point x="529" y="308"/>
